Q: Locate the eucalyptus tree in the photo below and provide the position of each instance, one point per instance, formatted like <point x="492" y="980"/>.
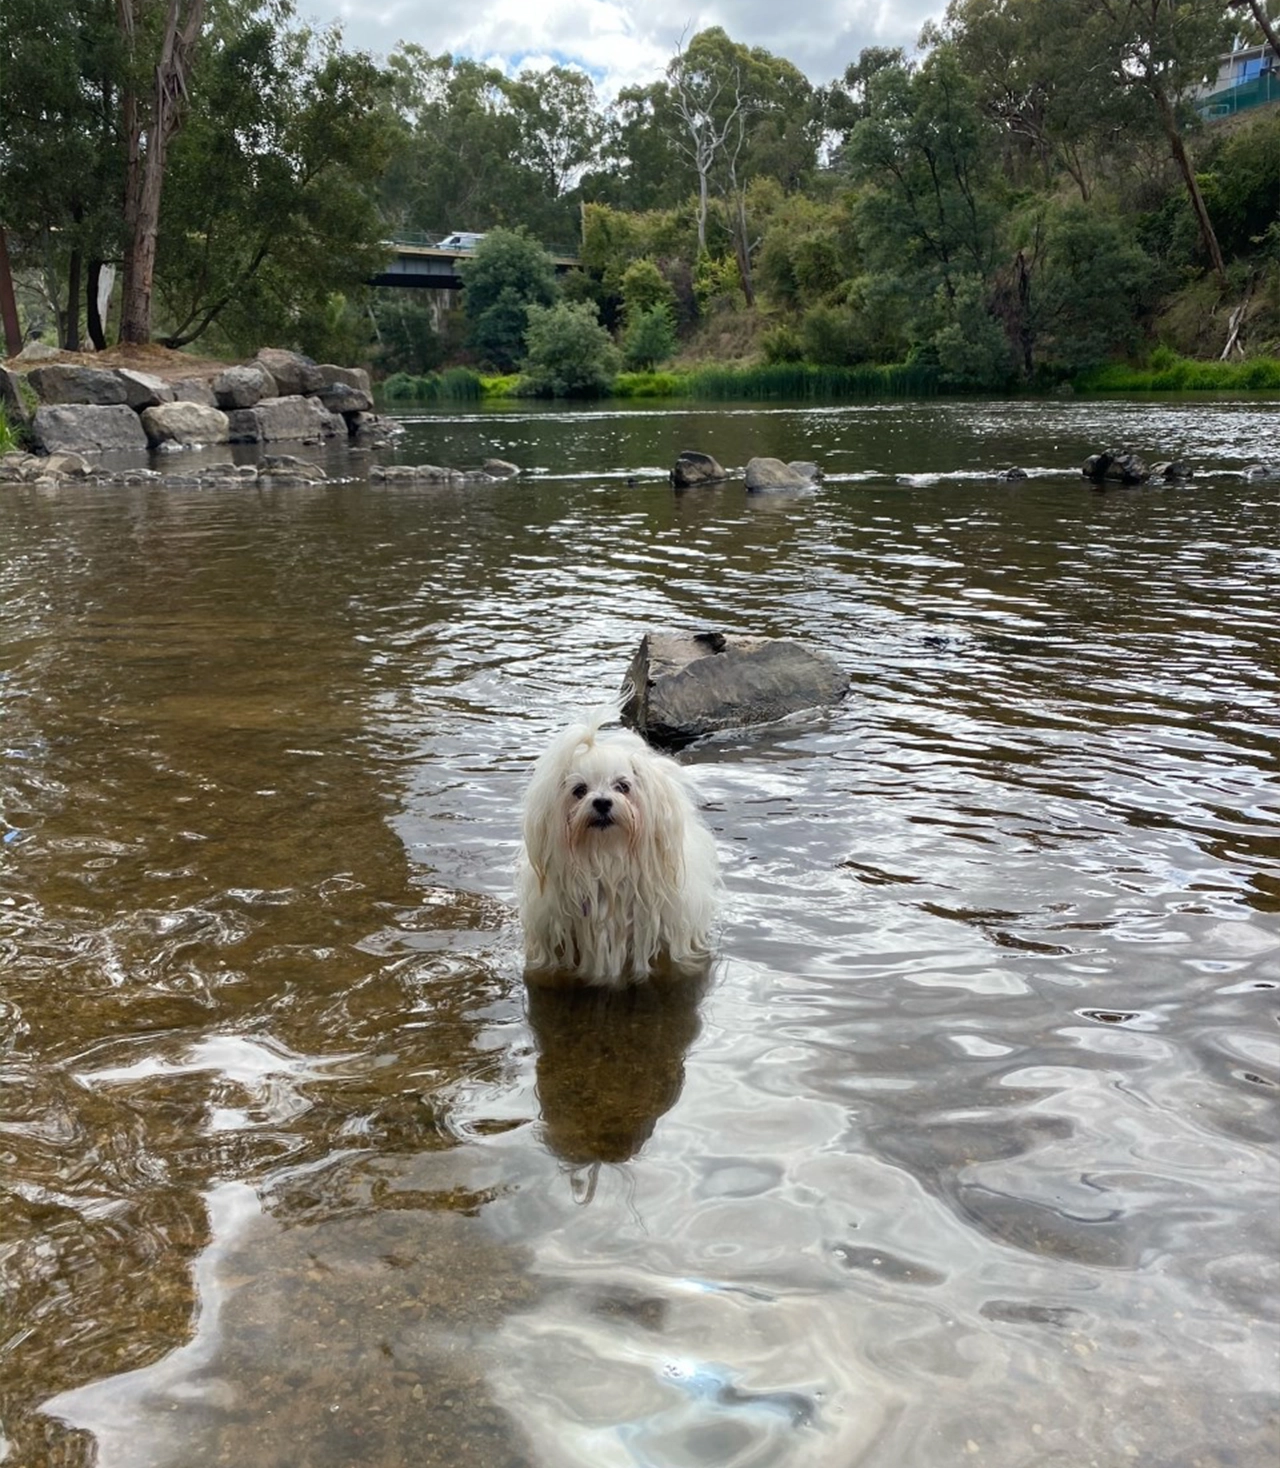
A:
<point x="271" y="203"/>
<point x="924" y="153"/>
<point x="739" y="113"/>
<point x="159" y="40"/>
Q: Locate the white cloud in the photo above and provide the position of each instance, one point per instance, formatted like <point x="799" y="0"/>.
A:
<point x="620" y="42"/>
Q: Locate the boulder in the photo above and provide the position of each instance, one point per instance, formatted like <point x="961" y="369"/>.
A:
<point x="1116" y="467"/>
<point x="288" y="468"/>
<point x="1171" y="471"/>
<point x="291" y="417"/>
<point x="1262" y="471"/>
<point x="195" y="390"/>
<point x="293" y="373"/>
<point x="810" y="471"/>
<point x="341" y="397"/>
<point x="679" y="688"/>
<point x="499" y="468"/>
<point x="184" y="425"/>
<point x="1013" y="473"/>
<point x="38" y="352"/>
<point x="12" y="399"/>
<point x="67" y="466"/>
<point x="242" y="387"/>
<point x="356" y="377"/>
<point x="141" y="390"/>
<point x="88" y="428"/>
<point x="692" y="469"/>
<point x="768" y="476"/>
<point x="370" y="430"/>
<point x="243" y="426"/>
<point x="61" y="382"/>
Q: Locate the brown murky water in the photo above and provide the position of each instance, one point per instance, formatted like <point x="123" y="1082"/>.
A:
<point x="967" y="1154"/>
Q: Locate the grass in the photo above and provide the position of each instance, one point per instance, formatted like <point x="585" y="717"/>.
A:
<point x="1165" y="371"/>
<point x="781" y="380"/>
<point x="8" y="439"/>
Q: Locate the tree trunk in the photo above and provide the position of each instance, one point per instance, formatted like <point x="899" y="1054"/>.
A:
<point x="71" y="333"/>
<point x="8" y="302"/>
<point x="146" y="161"/>
<point x="1176" y="146"/>
<point x="742" y="248"/>
<point x="93" y="317"/>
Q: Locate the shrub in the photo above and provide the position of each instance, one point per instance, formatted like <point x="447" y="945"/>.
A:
<point x="650" y="338"/>
<point x="570" y="354"/>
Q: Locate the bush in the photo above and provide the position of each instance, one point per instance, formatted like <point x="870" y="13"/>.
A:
<point x="570" y="354"/>
<point x="782" y="344"/>
<point x="509" y="273"/>
<point x="650" y="338"/>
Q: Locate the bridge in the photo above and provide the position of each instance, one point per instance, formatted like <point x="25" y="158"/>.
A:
<point x="431" y="261"/>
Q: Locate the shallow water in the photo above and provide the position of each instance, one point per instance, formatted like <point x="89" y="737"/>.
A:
<point x="967" y="1154"/>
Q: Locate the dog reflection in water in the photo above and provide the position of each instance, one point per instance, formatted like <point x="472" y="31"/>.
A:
<point x="618" y="877"/>
<point x="610" y="1064"/>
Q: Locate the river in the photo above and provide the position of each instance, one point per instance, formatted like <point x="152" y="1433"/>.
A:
<point x="967" y="1155"/>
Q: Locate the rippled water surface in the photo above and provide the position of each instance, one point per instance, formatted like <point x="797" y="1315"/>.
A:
<point x="967" y="1154"/>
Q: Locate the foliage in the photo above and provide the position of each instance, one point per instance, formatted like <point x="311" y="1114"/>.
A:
<point x="457" y="384"/>
<point x="269" y="208"/>
<point x="475" y="148"/>
<point x="509" y="273"/>
<point x="972" y="351"/>
<point x="650" y="338"/>
<point x="644" y="287"/>
<point x="650" y="385"/>
<point x="570" y="355"/>
<point x="1169" y="373"/>
<point x="8" y="435"/>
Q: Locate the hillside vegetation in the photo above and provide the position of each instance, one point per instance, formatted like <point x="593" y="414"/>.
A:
<point x="1028" y="198"/>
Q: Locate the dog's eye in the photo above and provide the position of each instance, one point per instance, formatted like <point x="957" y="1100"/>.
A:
<point x="623" y="787"/>
<point x="579" y="790"/>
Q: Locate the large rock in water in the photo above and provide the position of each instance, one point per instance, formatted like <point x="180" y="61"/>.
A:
<point x="766" y="476"/>
<point x="184" y="425"/>
<point x="1118" y="466"/>
<point x="87" y="428"/>
<point x="692" y="469"/>
<point x="683" y="687"/>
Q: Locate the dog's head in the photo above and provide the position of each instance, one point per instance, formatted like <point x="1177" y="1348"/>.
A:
<point x="594" y="793"/>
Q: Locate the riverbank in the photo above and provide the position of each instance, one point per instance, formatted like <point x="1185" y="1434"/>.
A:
<point x="1165" y="372"/>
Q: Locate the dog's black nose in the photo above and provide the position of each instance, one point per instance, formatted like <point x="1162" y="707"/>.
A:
<point x="602" y="804"/>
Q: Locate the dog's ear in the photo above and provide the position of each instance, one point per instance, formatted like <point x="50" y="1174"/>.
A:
<point x="665" y="806"/>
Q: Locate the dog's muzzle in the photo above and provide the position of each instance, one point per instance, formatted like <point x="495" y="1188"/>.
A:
<point x="601" y="813"/>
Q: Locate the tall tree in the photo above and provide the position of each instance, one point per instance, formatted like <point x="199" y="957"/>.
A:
<point x="926" y="150"/>
<point x="60" y="173"/>
<point x="1164" y="49"/>
<point x="154" y="102"/>
<point x="270" y="207"/>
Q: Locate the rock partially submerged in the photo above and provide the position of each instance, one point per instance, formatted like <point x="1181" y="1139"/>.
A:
<point x="53" y="471"/>
<point x="1118" y="466"/>
<point x="680" y="688"/>
<point x="692" y="469"/>
<point x="770" y="476"/>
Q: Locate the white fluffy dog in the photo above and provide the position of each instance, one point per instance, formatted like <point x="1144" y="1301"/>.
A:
<point x="618" y="877"/>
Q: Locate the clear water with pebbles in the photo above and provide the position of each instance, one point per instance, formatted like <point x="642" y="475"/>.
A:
<point x="967" y="1154"/>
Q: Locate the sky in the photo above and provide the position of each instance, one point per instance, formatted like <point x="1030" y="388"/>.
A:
<point x="624" y="42"/>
